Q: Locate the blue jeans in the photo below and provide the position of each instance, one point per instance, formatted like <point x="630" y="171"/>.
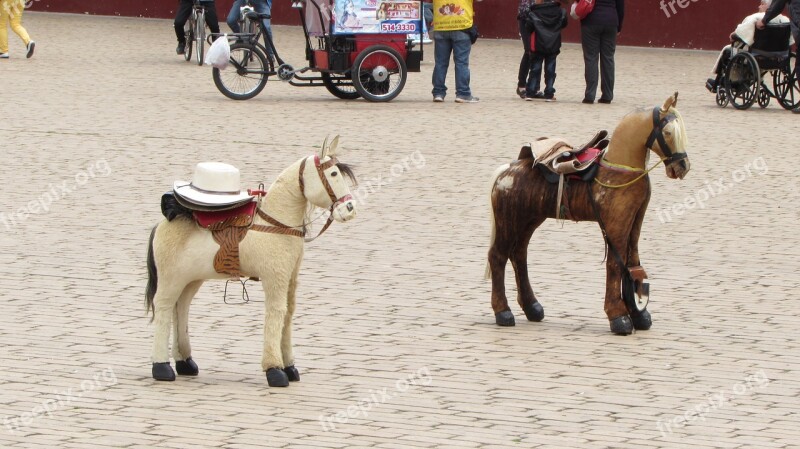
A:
<point x="549" y="62"/>
<point x="457" y="43"/>
<point x="261" y="7"/>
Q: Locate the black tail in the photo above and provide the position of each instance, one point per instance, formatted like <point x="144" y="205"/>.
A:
<point x="152" y="277"/>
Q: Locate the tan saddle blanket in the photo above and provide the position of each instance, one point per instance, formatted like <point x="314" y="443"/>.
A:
<point x="556" y="154"/>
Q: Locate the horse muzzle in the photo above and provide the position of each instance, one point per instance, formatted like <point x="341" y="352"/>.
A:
<point x="678" y="169"/>
<point x="344" y="209"/>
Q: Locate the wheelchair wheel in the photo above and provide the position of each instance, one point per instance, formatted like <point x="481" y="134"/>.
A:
<point x="742" y="80"/>
<point x="763" y="97"/>
<point x="787" y="87"/>
<point x="722" y="97"/>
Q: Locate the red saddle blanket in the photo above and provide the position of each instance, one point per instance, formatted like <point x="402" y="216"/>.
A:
<point x="209" y="219"/>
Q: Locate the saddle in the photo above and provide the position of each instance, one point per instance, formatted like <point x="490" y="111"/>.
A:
<point x="227" y="222"/>
<point x="557" y="159"/>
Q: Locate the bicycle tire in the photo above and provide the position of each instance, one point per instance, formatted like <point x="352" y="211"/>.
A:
<point x="242" y="73"/>
<point x="200" y="36"/>
<point x="188" y="33"/>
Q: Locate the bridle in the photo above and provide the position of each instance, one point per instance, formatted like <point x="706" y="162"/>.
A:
<point x="280" y="228"/>
<point x="657" y="135"/>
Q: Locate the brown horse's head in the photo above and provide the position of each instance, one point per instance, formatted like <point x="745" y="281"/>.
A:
<point x="668" y="138"/>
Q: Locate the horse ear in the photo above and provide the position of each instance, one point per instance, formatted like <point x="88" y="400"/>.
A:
<point x="324" y="150"/>
<point x="671" y="102"/>
<point x="333" y="146"/>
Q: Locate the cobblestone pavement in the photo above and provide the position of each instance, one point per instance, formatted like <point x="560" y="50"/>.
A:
<point x="394" y="333"/>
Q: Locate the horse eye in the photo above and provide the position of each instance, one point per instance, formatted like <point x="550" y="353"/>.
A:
<point x="334" y="173"/>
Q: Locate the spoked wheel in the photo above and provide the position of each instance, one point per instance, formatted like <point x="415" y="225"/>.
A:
<point x="341" y="86"/>
<point x="742" y="80"/>
<point x="763" y="97"/>
<point x="188" y="32"/>
<point x="722" y="97"/>
<point x="200" y="36"/>
<point x="379" y="73"/>
<point x="787" y="87"/>
<point x="246" y="74"/>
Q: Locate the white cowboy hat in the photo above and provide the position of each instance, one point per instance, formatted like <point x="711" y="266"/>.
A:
<point x="213" y="183"/>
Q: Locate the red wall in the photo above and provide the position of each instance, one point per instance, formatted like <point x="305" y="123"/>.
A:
<point x="700" y="24"/>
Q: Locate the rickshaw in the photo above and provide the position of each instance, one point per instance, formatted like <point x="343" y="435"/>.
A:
<point x="353" y="52"/>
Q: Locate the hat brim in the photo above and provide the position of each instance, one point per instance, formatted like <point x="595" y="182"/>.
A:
<point x="185" y="190"/>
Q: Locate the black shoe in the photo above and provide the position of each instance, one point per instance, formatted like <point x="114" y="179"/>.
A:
<point x="796" y="110"/>
<point x="604" y="101"/>
<point x="181" y="49"/>
<point x="587" y="101"/>
<point x="711" y="85"/>
<point x="536" y="96"/>
<point x="521" y="92"/>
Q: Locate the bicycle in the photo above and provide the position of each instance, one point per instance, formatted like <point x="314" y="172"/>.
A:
<point x="195" y="32"/>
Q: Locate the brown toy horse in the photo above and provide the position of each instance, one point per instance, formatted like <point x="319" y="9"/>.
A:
<point x="522" y="199"/>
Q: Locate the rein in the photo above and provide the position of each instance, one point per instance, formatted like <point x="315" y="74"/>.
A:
<point x="280" y="228"/>
<point x="620" y="186"/>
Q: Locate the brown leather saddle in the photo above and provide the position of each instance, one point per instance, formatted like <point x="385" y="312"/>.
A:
<point x="556" y="158"/>
<point x="228" y="224"/>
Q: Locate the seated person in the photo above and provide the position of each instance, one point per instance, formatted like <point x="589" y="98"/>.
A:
<point x="742" y="38"/>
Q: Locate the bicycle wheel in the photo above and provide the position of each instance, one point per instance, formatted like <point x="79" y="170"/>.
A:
<point x="200" y="36"/>
<point x="341" y="86"/>
<point x="787" y="87"/>
<point x="379" y="73"/>
<point x="188" y="32"/>
<point x="246" y="75"/>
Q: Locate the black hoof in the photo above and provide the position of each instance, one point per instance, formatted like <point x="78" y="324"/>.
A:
<point x="641" y="320"/>
<point x="534" y="312"/>
<point x="186" y="367"/>
<point x="292" y="373"/>
<point x="504" y="318"/>
<point x="162" y="371"/>
<point x="277" y="378"/>
<point x="622" y="325"/>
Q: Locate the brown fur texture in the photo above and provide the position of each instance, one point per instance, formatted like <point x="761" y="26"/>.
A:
<point x="522" y="200"/>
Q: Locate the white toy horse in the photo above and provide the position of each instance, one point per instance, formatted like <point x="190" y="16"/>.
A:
<point x="181" y="253"/>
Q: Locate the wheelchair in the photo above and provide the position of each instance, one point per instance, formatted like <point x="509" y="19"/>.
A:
<point x="742" y="83"/>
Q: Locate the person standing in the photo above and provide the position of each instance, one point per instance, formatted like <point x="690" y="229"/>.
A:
<point x="452" y="20"/>
<point x="794" y="11"/>
<point x="11" y="13"/>
<point x="525" y="32"/>
<point x="182" y="15"/>
<point x="599" y="31"/>
<point x="548" y="18"/>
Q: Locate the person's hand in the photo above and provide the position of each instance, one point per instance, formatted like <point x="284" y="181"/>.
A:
<point x="733" y="36"/>
<point x="760" y="24"/>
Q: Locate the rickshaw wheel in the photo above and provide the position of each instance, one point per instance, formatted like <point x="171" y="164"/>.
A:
<point x="379" y="73"/>
<point x="245" y="76"/>
<point x="341" y="86"/>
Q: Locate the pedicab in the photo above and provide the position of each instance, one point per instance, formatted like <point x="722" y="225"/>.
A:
<point x="354" y="48"/>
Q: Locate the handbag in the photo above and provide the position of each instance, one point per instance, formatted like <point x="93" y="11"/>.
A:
<point x="581" y="8"/>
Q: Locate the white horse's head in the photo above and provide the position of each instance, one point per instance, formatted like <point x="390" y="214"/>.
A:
<point x="325" y="182"/>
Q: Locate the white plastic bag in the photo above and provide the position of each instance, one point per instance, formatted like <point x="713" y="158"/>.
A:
<point x="219" y="54"/>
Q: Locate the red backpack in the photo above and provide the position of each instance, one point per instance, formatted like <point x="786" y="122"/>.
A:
<point x="581" y="8"/>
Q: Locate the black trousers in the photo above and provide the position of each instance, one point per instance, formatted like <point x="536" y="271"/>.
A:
<point x="525" y="32"/>
<point x="185" y="11"/>
<point x="599" y="43"/>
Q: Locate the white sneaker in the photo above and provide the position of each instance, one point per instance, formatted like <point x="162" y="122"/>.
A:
<point x="438" y="98"/>
<point x="31" y="46"/>
<point x="3" y="55"/>
<point x="469" y="99"/>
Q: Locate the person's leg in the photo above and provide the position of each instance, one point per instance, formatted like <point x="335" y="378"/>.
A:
<point x="16" y="26"/>
<point x="442" y="47"/>
<point x="608" y="46"/>
<point x="3" y="31"/>
<point x="461" y="50"/>
<point x="181" y="16"/>
<point x="534" y="80"/>
<point x="211" y="17"/>
<point x="797" y="69"/>
<point x="525" y="63"/>
<point x="550" y="76"/>
<point x="265" y="7"/>
<point x="233" y="16"/>
<point x="590" y="42"/>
